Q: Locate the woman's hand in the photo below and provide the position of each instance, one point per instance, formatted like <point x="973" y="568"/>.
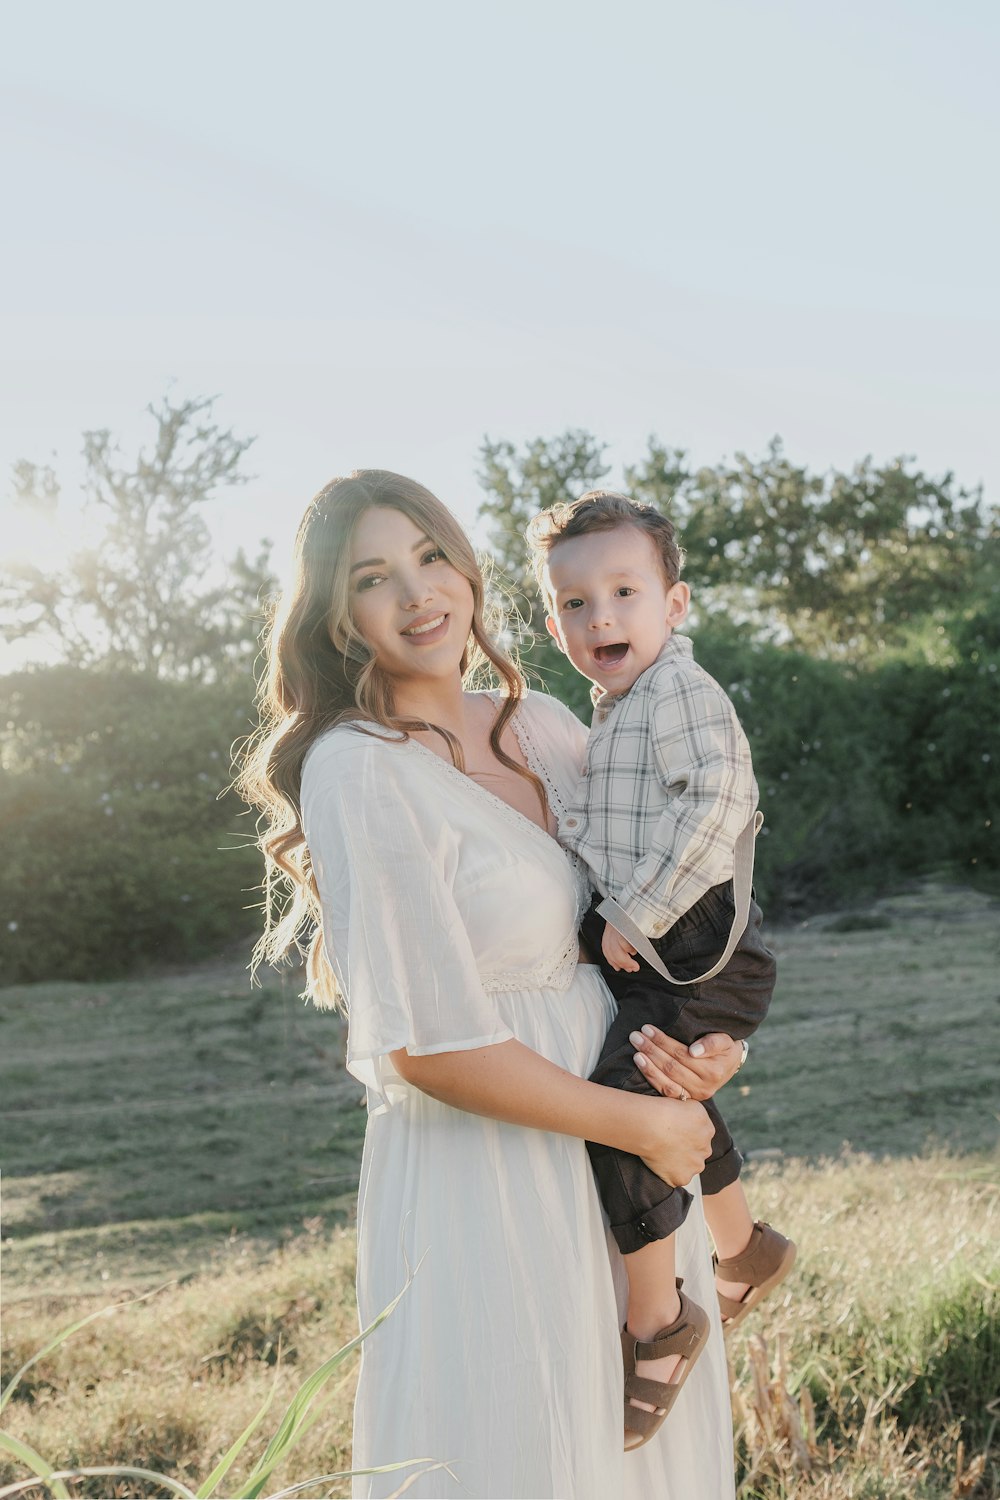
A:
<point x="685" y="1143"/>
<point x="679" y="1072"/>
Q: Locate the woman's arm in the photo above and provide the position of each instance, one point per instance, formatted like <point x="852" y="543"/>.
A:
<point x="508" y="1081"/>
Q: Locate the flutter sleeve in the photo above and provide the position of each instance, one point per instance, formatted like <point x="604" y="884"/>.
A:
<point x="386" y="861"/>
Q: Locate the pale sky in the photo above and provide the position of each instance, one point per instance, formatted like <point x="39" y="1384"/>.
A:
<point x="381" y="230"/>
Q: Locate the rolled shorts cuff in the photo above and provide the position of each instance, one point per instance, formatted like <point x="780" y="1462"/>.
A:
<point x="721" y="1171"/>
<point x="653" y="1223"/>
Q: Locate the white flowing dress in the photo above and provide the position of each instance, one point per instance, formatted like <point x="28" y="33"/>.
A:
<point x="451" y="921"/>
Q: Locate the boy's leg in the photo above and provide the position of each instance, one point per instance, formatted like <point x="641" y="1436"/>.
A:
<point x="730" y="1224"/>
<point x="641" y="1207"/>
<point x="725" y="1162"/>
<point x="735" y="1002"/>
<point x="653" y="1304"/>
<point x="727" y="1212"/>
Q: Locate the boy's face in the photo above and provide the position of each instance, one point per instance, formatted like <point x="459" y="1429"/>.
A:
<point x="612" y="608"/>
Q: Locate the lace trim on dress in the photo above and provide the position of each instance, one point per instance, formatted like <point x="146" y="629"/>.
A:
<point x="555" y="976"/>
<point x="529" y="750"/>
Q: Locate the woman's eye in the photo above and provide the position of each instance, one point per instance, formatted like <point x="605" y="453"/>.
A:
<point x="369" y="581"/>
<point x="435" y="555"/>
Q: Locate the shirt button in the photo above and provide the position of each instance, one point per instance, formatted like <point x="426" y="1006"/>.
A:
<point x="572" y="822"/>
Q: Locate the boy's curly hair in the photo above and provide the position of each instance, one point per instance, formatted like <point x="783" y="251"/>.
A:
<point x="601" y="510"/>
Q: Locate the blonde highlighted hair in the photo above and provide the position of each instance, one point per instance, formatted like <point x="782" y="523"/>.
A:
<point x="319" y="673"/>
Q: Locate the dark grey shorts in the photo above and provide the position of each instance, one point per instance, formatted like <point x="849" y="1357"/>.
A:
<point x="641" y="1207"/>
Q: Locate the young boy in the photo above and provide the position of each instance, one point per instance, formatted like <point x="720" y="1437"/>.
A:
<point x="665" y="818"/>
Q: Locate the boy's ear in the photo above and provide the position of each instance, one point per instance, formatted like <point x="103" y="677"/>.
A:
<point x="553" y="629"/>
<point x="678" y="600"/>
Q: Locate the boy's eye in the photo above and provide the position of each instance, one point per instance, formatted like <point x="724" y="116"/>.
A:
<point x="572" y="603"/>
<point x="624" y="591"/>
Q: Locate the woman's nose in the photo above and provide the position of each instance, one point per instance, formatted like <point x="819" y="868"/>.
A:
<point x="415" y="592"/>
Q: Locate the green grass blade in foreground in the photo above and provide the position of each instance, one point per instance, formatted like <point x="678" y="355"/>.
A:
<point x="295" y="1419"/>
<point x="228" y="1459"/>
<point x="36" y="1463"/>
<point x="95" y="1471"/>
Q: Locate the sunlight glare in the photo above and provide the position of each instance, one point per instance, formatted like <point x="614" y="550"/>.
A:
<point x="40" y="539"/>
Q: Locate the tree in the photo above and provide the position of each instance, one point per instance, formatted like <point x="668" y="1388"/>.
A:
<point x="145" y="596"/>
<point x="847" y="565"/>
<point x="518" y="485"/>
<point x="121" y="842"/>
<point x="841" y="564"/>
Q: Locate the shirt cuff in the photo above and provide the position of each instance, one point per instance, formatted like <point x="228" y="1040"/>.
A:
<point x="653" y="921"/>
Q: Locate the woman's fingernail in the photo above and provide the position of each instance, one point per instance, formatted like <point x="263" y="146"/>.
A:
<point x="635" y="1037"/>
<point x="647" y="1031"/>
<point x="640" y="1061"/>
<point x="696" y="1049"/>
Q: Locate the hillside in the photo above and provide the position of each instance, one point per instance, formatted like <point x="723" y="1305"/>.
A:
<point x="185" y="1129"/>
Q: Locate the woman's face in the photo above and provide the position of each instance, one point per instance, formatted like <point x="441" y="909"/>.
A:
<point x="413" y="608"/>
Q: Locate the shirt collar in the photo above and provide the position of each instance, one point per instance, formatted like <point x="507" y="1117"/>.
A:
<point x="677" y="646"/>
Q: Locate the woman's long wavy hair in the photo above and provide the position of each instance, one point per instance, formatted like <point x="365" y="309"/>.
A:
<point x="319" y="672"/>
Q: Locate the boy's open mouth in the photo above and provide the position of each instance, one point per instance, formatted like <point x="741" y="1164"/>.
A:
<point x="610" y="656"/>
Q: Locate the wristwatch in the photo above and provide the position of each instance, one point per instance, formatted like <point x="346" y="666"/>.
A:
<point x="746" y="1053"/>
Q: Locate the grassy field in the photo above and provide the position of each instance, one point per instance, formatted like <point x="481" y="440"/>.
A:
<point x="184" y="1134"/>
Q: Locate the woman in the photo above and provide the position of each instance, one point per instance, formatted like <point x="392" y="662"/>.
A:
<point x="414" y="820"/>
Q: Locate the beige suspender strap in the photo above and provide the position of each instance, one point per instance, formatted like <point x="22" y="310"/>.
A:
<point x="742" y="886"/>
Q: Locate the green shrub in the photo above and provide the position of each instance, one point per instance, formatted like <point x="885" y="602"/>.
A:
<point x="118" y="850"/>
<point x="868" y="775"/>
<point x="117" y="846"/>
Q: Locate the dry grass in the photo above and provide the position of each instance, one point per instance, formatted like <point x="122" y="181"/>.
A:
<point x="199" y="1132"/>
<point x="877" y="1373"/>
<point x="145" y="1123"/>
<point x="873" y="1375"/>
<point x="170" y="1382"/>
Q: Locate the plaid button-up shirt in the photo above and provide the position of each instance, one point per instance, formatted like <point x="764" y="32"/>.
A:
<point x="667" y="786"/>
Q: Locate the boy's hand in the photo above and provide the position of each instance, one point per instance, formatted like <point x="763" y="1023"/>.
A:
<point x="619" y="953"/>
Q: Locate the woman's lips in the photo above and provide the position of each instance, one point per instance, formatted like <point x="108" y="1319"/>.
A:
<point x="430" y="631"/>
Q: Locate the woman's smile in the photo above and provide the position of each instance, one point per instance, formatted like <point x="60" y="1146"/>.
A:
<point x="408" y="600"/>
<point x="427" y="631"/>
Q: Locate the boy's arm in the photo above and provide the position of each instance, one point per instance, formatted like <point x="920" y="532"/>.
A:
<point x="617" y="949"/>
<point x="701" y="757"/>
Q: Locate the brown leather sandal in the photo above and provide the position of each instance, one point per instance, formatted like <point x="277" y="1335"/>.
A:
<point x="764" y="1263"/>
<point x="686" y="1336"/>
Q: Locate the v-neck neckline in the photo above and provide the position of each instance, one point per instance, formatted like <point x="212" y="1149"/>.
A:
<point x="508" y="808"/>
